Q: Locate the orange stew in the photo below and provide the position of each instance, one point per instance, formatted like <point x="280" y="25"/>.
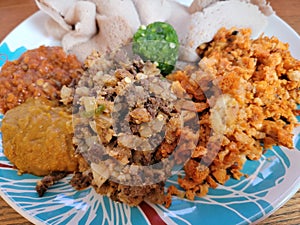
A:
<point x="39" y="72"/>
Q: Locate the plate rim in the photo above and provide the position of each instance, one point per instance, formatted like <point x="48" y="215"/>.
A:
<point x="281" y="201"/>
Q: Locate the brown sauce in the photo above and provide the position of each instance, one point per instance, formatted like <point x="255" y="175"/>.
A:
<point x="40" y="72"/>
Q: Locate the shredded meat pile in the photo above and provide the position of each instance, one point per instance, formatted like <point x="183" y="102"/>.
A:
<point x="252" y="87"/>
<point x="131" y="127"/>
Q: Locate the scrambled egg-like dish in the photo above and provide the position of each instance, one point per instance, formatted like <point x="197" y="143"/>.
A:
<point x="252" y="87"/>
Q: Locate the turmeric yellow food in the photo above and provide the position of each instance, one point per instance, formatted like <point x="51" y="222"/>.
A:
<point x="37" y="138"/>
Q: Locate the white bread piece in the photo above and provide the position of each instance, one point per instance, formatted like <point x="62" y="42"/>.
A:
<point x="153" y="10"/>
<point x="82" y="17"/>
<point x="264" y="6"/>
<point x="113" y="33"/>
<point x="56" y="9"/>
<point x="54" y="29"/>
<point x="233" y="13"/>
<point x="179" y="19"/>
<point x="84" y="49"/>
<point x="122" y="8"/>
<point x="199" y="5"/>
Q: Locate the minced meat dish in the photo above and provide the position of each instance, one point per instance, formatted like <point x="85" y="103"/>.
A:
<point x="131" y="127"/>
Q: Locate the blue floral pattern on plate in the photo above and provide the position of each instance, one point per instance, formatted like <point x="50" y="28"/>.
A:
<point x="7" y="55"/>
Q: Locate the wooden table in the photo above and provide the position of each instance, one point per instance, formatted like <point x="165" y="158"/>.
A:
<point x="12" y="12"/>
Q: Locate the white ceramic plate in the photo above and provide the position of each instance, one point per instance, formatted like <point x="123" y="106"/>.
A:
<point x="272" y="181"/>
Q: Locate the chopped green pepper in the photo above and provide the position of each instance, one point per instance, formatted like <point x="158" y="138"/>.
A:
<point x="158" y="42"/>
<point x="96" y="112"/>
<point x="100" y="109"/>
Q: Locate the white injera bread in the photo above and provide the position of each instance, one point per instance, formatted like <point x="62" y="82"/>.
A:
<point x="153" y="10"/>
<point x="233" y="13"/>
<point x="82" y="16"/>
<point x="113" y="33"/>
<point x="56" y="9"/>
<point x="121" y="8"/>
<point x="199" y="5"/>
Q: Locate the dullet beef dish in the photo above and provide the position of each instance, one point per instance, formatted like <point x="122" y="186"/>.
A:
<point x="132" y="98"/>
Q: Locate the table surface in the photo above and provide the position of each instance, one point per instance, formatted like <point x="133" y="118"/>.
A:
<point x="13" y="12"/>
